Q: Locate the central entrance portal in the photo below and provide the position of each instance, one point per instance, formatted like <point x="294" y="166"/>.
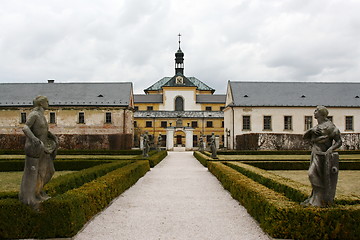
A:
<point x="179" y="137"/>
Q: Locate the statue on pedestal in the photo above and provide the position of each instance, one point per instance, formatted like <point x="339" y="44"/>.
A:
<point x="324" y="163"/>
<point x="146" y="144"/>
<point x="159" y="143"/>
<point x="40" y="150"/>
<point x="213" y="146"/>
<point x="201" y="144"/>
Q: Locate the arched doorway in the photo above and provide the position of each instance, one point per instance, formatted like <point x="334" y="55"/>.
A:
<point x="179" y="136"/>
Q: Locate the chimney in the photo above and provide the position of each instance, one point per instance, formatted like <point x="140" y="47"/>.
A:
<point x="51" y="80"/>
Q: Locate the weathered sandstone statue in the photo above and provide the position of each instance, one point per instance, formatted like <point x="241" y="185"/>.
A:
<point x="213" y="146"/>
<point x="324" y="163"/>
<point x="146" y="144"/>
<point x="40" y="150"/>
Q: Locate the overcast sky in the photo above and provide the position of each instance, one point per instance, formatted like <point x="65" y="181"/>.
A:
<point x="135" y="40"/>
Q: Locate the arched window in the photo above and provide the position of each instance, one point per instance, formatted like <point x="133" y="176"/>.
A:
<point x="179" y="104"/>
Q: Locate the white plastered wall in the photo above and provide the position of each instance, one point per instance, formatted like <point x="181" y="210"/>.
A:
<point x="277" y="118"/>
<point x="189" y="97"/>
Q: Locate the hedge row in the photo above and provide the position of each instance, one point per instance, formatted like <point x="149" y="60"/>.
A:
<point x="65" y="214"/>
<point x="78" y="152"/>
<point x="293" y="190"/>
<point x="60" y="165"/>
<point x="279" y="152"/>
<point x="202" y="158"/>
<point x="70" y="181"/>
<point x="156" y="158"/>
<point x="282" y="218"/>
<point x="297" y="165"/>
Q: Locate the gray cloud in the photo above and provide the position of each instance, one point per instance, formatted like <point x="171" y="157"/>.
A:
<point x="222" y="40"/>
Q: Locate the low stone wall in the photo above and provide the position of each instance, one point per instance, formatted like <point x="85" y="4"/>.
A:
<point x="73" y="141"/>
<point x="272" y="141"/>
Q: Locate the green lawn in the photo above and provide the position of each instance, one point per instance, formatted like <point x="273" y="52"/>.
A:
<point x="348" y="183"/>
<point x="67" y="157"/>
<point x="280" y="157"/>
<point x="10" y="181"/>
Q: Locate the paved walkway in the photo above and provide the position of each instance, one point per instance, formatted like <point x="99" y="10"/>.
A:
<point x="178" y="199"/>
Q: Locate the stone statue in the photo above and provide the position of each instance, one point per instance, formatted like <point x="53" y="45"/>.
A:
<point x="40" y="150"/>
<point x="146" y="144"/>
<point x="324" y="164"/>
<point x="159" y="143"/>
<point x="201" y="144"/>
<point x="213" y="146"/>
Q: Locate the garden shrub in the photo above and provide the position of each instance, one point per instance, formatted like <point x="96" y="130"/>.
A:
<point x="60" y="165"/>
<point x="156" y="158"/>
<point x="202" y="158"/>
<point x="65" y="214"/>
<point x="283" y="218"/>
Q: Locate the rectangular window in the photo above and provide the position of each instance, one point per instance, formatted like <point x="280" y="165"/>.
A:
<point x="81" y="117"/>
<point x="150" y="108"/>
<point x="23" y="117"/>
<point x="246" y="123"/>
<point x="209" y="124"/>
<point x="148" y="124"/>
<point x="222" y="124"/>
<point x="349" y="123"/>
<point x="288" y="122"/>
<point x="52" y="117"/>
<point x="135" y="123"/>
<point x="308" y="122"/>
<point x="108" y="117"/>
<point x="222" y="108"/>
<point x="267" y="123"/>
<point x="208" y="108"/>
<point x="164" y="124"/>
<point x="194" y="124"/>
<point x="136" y="108"/>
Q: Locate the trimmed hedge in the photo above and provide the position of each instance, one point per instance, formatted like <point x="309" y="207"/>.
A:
<point x="156" y="158"/>
<point x="65" y="214"/>
<point x="293" y="190"/>
<point x="202" y="158"/>
<point x="70" y="181"/>
<point x="297" y="165"/>
<point x="279" y="152"/>
<point x="282" y="218"/>
<point x="60" y="165"/>
<point x="78" y="152"/>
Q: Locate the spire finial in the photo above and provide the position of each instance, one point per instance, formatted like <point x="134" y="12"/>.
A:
<point x="179" y="39"/>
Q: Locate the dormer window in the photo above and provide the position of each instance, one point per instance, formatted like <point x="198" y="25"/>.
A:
<point x="179" y="80"/>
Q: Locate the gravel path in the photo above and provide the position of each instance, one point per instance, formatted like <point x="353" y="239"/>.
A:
<point x="178" y="199"/>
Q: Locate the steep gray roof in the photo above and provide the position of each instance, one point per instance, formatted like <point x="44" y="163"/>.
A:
<point x="167" y="81"/>
<point x="330" y="94"/>
<point x="177" y="114"/>
<point x="67" y="94"/>
<point x="148" y="98"/>
<point x="204" y="98"/>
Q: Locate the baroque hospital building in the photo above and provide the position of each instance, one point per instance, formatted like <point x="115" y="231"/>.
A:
<point x="180" y="109"/>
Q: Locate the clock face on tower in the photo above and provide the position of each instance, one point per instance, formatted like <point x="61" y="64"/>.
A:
<point x="179" y="80"/>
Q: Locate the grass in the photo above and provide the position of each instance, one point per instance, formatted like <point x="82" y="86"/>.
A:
<point x="348" y="182"/>
<point x="10" y="181"/>
<point x="281" y="157"/>
<point x="67" y="157"/>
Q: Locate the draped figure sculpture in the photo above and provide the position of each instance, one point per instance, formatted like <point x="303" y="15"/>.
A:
<point x="213" y="146"/>
<point x="40" y="150"/>
<point x="324" y="163"/>
<point x="146" y="144"/>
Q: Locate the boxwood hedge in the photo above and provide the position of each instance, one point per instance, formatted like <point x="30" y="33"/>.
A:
<point x="65" y="214"/>
<point x="282" y="217"/>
